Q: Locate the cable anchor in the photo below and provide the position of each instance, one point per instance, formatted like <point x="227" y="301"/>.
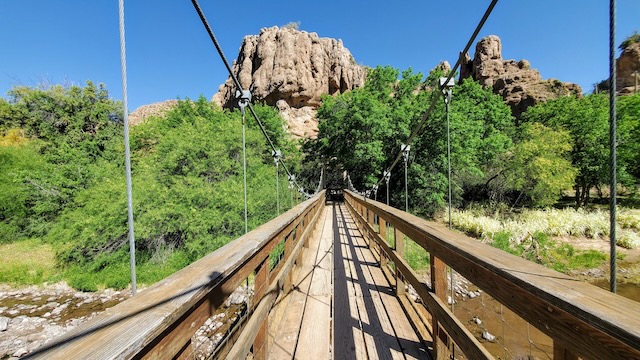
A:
<point x="244" y="99"/>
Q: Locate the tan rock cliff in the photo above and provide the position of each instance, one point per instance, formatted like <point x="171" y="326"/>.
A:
<point x="297" y="67"/>
<point x="519" y="85"/>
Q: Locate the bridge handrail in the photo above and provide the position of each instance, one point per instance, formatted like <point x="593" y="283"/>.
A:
<point x="160" y="321"/>
<point x="581" y="318"/>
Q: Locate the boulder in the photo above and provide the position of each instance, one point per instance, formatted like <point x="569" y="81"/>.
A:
<point x="628" y="70"/>
<point x="517" y="82"/>
<point x="297" y="67"/>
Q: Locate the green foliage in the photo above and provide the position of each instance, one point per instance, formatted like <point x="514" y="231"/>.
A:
<point x="557" y="255"/>
<point x="295" y="25"/>
<point x="632" y="39"/>
<point x="26" y="262"/>
<point x="537" y="165"/>
<point x="628" y="110"/>
<point x="417" y="257"/>
<point x="481" y="126"/>
<point x="587" y="121"/>
<point x="362" y="129"/>
<point x="63" y="181"/>
<point x="187" y="185"/>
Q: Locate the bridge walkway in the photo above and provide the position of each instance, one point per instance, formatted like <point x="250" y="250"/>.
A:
<point x="341" y="305"/>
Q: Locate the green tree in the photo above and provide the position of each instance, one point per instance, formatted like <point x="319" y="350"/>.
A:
<point x="628" y="134"/>
<point x="70" y="129"/>
<point x="538" y="165"/>
<point x="481" y="125"/>
<point x="362" y="130"/>
<point x="587" y="121"/>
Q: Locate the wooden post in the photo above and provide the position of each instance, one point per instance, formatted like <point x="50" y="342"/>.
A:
<point x="260" y="286"/>
<point x="439" y="286"/>
<point x="562" y="353"/>
<point x="370" y="221"/>
<point x="382" y="229"/>
<point x="288" y="281"/>
<point x="399" y="247"/>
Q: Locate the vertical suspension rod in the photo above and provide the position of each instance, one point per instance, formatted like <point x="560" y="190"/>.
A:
<point x="127" y="154"/>
<point x="612" y="145"/>
<point x="244" y="169"/>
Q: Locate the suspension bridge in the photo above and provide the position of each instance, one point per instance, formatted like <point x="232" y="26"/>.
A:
<point x="330" y="279"/>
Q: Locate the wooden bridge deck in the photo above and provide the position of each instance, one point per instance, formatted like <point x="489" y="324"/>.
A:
<point x="341" y="305"/>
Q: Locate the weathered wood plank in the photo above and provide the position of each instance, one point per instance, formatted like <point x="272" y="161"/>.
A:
<point x="393" y="319"/>
<point x="464" y="338"/>
<point x="348" y="337"/>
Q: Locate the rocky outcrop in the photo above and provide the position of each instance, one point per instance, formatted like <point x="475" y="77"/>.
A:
<point x="628" y="70"/>
<point x="519" y="85"/>
<point x="155" y="109"/>
<point x="296" y="67"/>
<point x="34" y="316"/>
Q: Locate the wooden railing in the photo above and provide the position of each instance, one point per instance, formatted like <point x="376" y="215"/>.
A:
<point x="160" y="321"/>
<point x="583" y="320"/>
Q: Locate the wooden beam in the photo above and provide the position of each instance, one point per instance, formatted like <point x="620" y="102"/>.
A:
<point x="439" y="288"/>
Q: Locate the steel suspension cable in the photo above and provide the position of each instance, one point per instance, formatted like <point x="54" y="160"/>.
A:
<point x="612" y="146"/>
<point x="437" y="94"/>
<point x="196" y="5"/>
<point x="127" y="154"/>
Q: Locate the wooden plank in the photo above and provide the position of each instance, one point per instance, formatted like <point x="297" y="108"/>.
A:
<point x="286" y="332"/>
<point x="388" y="307"/>
<point x="464" y="338"/>
<point x="348" y="338"/>
<point x="590" y="321"/>
<point x="410" y="344"/>
<point x="253" y="327"/>
<point x="392" y="318"/>
<point x="562" y="353"/>
<point x="379" y="336"/>
<point x="399" y="246"/>
<point x="439" y="288"/>
<point x="417" y="322"/>
<point x="315" y="333"/>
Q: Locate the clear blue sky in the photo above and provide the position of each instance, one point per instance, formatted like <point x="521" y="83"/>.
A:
<point x="170" y="55"/>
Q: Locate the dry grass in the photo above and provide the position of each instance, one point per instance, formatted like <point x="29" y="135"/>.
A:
<point x="552" y="222"/>
<point x="26" y="262"/>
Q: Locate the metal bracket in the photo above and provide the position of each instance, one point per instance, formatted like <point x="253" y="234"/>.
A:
<point x="445" y="87"/>
<point x="244" y="98"/>
<point x="387" y="176"/>
<point x="277" y="154"/>
<point x="406" y="149"/>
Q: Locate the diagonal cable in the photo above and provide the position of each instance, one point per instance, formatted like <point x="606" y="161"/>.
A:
<point x="196" y="5"/>
<point x="416" y="131"/>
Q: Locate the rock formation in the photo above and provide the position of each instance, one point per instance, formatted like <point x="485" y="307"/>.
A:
<point x="518" y="84"/>
<point x="296" y="67"/>
<point x="628" y="70"/>
<point x="146" y="111"/>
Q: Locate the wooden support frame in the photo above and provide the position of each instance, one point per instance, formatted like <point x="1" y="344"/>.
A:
<point x="590" y="322"/>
